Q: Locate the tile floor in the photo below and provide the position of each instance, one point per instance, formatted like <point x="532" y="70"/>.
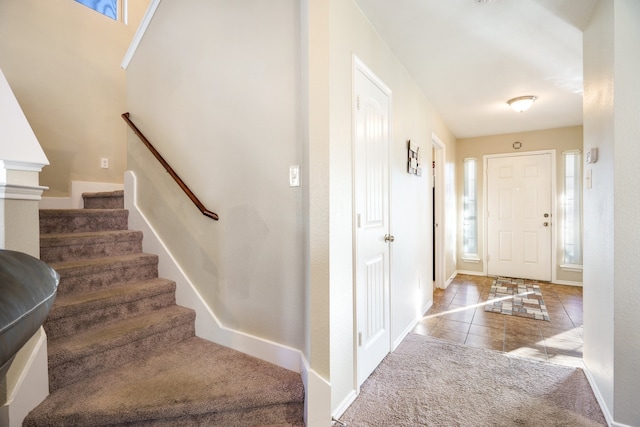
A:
<point x="458" y="315"/>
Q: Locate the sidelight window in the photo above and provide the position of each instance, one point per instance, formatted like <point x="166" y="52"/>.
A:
<point x="470" y="210"/>
<point x="572" y="208"/>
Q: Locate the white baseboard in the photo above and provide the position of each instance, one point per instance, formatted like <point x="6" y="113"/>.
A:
<point x="31" y="386"/>
<point x="411" y="325"/>
<point x="75" y="200"/>
<point x="603" y="405"/>
<point x="567" y="282"/>
<point x="344" y="405"/>
<point x="317" y="402"/>
<point x="471" y="273"/>
<point x="208" y="326"/>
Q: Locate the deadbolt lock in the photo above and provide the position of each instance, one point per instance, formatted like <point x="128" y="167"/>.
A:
<point x="546" y="215"/>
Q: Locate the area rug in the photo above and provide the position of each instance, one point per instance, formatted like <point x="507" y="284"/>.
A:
<point x="431" y="382"/>
<point x="517" y="297"/>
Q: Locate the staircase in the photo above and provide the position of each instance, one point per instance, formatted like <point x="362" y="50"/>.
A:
<point x="121" y="352"/>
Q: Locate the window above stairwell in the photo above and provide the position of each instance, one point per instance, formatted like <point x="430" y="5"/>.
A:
<point x="114" y="9"/>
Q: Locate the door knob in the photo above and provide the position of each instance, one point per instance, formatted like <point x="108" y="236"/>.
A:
<point x="389" y="238"/>
<point x="546" y="224"/>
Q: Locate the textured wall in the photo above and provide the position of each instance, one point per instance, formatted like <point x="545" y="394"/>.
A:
<point x="62" y="61"/>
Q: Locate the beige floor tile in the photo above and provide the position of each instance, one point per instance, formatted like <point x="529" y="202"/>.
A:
<point x="457" y="316"/>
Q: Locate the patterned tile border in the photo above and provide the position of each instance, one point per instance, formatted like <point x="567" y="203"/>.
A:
<point x="516" y="297"/>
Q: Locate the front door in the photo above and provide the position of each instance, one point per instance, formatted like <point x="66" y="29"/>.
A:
<point x="371" y="170"/>
<point x="519" y="216"/>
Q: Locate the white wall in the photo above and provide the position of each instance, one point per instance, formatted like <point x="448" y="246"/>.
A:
<point x="231" y="113"/>
<point x="612" y="236"/>
<point x="413" y="118"/>
<point x="627" y="207"/>
<point x="215" y="86"/>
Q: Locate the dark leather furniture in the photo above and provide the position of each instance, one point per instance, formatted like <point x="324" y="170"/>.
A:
<point x="27" y="292"/>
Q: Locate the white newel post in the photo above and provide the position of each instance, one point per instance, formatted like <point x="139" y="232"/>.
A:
<point x="21" y="160"/>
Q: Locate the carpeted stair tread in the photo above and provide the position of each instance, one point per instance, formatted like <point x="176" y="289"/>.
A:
<point x="196" y="382"/>
<point x="116" y="334"/>
<point x="90" y="274"/>
<point x="104" y="200"/>
<point x="60" y="247"/>
<point x="74" y="313"/>
<point x="122" y="353"/>
<point x="79" y="220"/>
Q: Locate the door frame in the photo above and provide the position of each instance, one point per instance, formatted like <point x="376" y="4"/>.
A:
<point x="439" y="149"/>
<point x="554" y="210"/>
<point x="359" y="66"/>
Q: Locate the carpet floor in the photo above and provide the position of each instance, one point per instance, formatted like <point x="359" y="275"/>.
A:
<point x="430" y="382"/>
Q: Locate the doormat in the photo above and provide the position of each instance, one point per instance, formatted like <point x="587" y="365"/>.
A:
<point x="517" y="297"/>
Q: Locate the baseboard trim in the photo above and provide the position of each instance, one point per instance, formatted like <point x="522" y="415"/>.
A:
<point x="31" y="386"/>
<point x="603" y="406"/>
<point x="568" y="283"/>
<point x="344" y="405"/>
<point x="471" y="273"/>
<point x="208" y="326"/>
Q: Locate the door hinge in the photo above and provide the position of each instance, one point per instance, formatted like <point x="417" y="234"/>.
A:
<point x="359" y="221"/>
<point x="488" y="258"/>
<point x="360" y="339"/>
<point x="358" y="102"/>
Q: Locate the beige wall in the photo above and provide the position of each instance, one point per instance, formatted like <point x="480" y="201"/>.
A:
<point x="231" y="117"/>
<point x="62" y="61"/>
<point x="413" y="118"/>
<point x="612" y="236"/>
<point x="216" y="88"/>
<point x="561" y="139"/>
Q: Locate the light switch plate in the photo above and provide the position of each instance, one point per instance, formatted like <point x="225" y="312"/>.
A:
<point x="294" y="176"/>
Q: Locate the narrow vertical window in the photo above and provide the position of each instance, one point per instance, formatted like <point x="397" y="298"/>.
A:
<point x="470" y="208"/>
<point x="572" y="204"/>
<point x="106" y="7"/>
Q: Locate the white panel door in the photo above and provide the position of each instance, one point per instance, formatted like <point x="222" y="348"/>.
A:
<point x="519" y="216"/>
<point x="371" y="171"/>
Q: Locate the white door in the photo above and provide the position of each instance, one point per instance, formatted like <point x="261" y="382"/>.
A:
<point x="371" y="170"/>
<point x="519" y="216"/>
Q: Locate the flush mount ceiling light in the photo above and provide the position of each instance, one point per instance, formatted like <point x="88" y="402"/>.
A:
<point x="521" y="103"/>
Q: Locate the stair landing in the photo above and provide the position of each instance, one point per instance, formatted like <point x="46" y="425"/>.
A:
<point x="196" y="382"/>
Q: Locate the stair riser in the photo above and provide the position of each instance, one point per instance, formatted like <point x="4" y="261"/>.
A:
<point x="83" y="221"/>
<point x="89" y="248"/>
<point x="83" y="280"/>
<point x="104" y="202"/>
<point x="66" y="326"/>
<point x="93" y="364"/>
<point x="283" y="415"/>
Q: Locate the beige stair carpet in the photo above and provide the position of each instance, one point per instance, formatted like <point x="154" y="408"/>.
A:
<point x="122" y="353"/>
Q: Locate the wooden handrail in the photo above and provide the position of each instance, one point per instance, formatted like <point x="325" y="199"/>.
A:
<point x="169" y="169"/>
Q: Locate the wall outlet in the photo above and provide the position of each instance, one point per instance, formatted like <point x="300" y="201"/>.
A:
<point x="104" y="162"/>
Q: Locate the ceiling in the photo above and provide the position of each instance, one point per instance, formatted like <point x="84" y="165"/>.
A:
<point x="471" y="56"/>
